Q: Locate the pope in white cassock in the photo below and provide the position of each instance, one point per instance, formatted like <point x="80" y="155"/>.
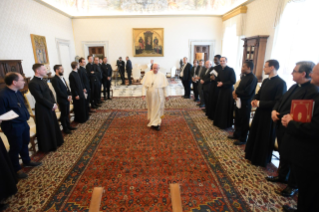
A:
<point x="155" y="87"/>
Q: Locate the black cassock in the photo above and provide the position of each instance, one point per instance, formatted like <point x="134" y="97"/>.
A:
<point x="224" y="108"/>
<point x="80" y="110"/>
<point x="8" y="178"/>
<point x="213" y="95"/>
<point x="49" y="134"/>
<point x="261" y="140"/>
<point x="86" y="84"/>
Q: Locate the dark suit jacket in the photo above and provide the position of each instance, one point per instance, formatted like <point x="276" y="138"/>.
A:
<point x="128" y="65"/>
<point x="304" y="140"/>
<point x="85" y="80"/>
<point x="120" y="64"/>
<point x="98" y="71"/>
<point x="62" y="93"/>
<point x="187" y="72"/>
<point x="205" y="75"/>
<point x="195" y="71"/>
<point x="106" y="70"/>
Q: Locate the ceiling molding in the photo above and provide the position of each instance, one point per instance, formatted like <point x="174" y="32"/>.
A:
<point x="53" y="8"/>
<point x="143" y="16"/>
<point x="234" y="12"/>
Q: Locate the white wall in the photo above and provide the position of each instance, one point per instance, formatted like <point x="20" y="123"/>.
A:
<point x="178" y="31"/>
<point x="19" y="19"/>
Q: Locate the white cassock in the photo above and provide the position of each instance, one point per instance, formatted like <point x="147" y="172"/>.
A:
<point x="154" y="86"/>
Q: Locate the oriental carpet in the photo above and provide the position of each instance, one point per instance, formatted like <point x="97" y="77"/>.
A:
<point x="136" y="164"/>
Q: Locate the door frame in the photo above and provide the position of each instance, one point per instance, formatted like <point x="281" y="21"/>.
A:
<point x="210" y="43"/>
<point x="63" y="42"/>
<point x="87" y="44"/>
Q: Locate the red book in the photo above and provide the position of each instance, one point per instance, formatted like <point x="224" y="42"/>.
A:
<point x="301" y="110"/>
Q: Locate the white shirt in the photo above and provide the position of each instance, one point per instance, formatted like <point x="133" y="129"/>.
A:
<point x="182" y="72"/>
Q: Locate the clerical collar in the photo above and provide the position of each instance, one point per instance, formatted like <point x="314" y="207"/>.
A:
<point x="12" y="90"/>
<point x="75" y="70"/>
<point x="83" y="66"/>
<point x="38" y="77"/>
<point x="304" y="84"/>
<point x="246" y="74"/>
<point x="272" y="77"/>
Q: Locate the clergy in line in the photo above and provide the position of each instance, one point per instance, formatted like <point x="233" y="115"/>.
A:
<point x="155" y="87"/>
<point x="49" y="134"/>
<point x="79" y="95"/>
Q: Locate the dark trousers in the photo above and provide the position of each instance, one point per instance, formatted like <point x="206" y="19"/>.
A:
<point x="88" y="99"/>
<point x="187" y="87"/>
<point x="94" y="92"/>
<point x="122" y="75"/>
<point x="242" y="117"/>
<point x="129" y="74"/>
<point x="308" y="194"/>
<point x="100" y="89"/>
<point x="19" y="138"/>
<point x="195" y="90"/>
<point x="65" y="112"/>
<point x="206" y="97"/>
<point x="106" y="87"/>
<point x="201" y="93"/>
<point x="284" y="171"/>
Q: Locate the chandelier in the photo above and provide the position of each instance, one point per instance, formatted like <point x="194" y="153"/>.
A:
<point x="144" y="6"/>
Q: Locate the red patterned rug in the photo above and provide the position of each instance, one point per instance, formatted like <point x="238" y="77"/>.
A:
<point x="136" y="164"/>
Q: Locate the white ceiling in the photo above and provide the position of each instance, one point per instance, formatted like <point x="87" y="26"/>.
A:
<point x="80" y="8"/>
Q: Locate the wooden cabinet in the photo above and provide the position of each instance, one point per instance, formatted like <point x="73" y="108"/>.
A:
<point x="254" y="50"/>
<point x="7" y="66"/>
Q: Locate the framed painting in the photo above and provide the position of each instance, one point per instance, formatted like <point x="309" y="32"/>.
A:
<point x="148" y="42"/>
<point x="40" y="49"/>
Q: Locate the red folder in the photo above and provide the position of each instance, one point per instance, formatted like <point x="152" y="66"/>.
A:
<point x="301" y="110"/>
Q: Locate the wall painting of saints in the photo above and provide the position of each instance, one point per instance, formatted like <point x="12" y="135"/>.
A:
<point x="40" y="49"/>
<point x="148" y="42"/>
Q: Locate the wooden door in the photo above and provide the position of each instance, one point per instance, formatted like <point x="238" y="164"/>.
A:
<point x="201" y="52"/>
<point x="97" y="51"/>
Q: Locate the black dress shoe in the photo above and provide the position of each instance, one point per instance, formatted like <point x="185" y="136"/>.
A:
<point x="275" y="179"/>
<point x="108" y="99"/>
<point x="239" y="142"/>
<point x="287" y="208"/>
<point x="72" y="128"/>
<point x="196" y="100"/>
<point x="158" y="128"/>
<point x="22" y="175"/>
<point x="33" y="164"/>
<point x="287" y="192"/>
<point x="105" y="98"/>
<point x="3" y="207"/>
<point x="232" y="137"/>
<point x="67" y="131"/>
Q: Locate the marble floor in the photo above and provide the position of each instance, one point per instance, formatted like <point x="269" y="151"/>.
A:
<point x="175" y="89"/>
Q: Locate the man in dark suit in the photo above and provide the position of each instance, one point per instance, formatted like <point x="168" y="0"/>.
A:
<point x="194" y="74"/>
<point x="93" y="82"/>
<point x="97" y="69"/>
<point x="85" y="83"/>
<point x="303" y="139"/>
<point x="63" y="95"/>
<point x="303" y="89"/>
<point x="107" y="78"/>
<point x="129" y="69"/>
<point x="185" y="76"/>
<point x="120" y="65"/>
<point x="205" y="80"/>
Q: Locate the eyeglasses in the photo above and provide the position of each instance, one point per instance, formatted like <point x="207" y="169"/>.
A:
<point x="296" y="71"/>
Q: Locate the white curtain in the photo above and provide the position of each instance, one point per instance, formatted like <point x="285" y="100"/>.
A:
<point x="296" y="36"/>
<point x="232" y="46"/>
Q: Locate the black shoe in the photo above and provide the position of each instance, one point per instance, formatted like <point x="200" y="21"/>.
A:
<point x="67" y="131"/>
<point x="201" y="105"/>
<point x="275" y="179"/>
<point x="158" y="128"/>
<point x="204" y="110"/>
<point x="22" y="175"/>
<point x="33" y="164"/>
<point x="196" y="100"/>
<point x="72" y="128"/>
<point x="105" y="98"/>
<point x="239" y="143"/>
<point x="287" y="192"/>
<point x="232" y="137"/>
<point x="108" y="99"/>
<point x="3" y="207"/>
<point x="92" y="111"/>
<point x="287" y="208"/>
<point x="93" y="107"/>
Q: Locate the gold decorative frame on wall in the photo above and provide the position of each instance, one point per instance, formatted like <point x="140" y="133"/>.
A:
<point x="148" y="42"/>
<point x="40" y="49"/>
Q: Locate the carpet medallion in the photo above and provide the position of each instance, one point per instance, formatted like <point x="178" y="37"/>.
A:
<point x="136" y="164"/>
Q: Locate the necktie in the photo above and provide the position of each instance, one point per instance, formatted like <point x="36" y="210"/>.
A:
<point x="67" y="87"/>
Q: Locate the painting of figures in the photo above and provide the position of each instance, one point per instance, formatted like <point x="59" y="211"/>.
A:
<point x="40" y="49"/>
<point x="148" y="42"/>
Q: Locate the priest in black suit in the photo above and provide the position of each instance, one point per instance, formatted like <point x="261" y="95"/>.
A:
<point x="94" y="83"/>
<point x="244" y="93"/>
<point x="78" y="95"/>
<point x="49" y="135"/>
<point x="120" y="65"/>
<point x="261" y="139"/>
<point x="225" y="103"/>
<point x="63" y="95"/>
<point x="85" y="82"/>
<point x="98" y="71"/>
<point x="129" y="70"/>
<point x="194" y="74"/>
<point x="185" y="76"/>
<point x="303" y="89"/>
<point x="205" y="81"/>
<point x="304" y="147"/>
<point x="107" y="78"/>
<point x="213" y="90"/>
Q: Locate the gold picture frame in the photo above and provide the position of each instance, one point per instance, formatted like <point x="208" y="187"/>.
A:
<point x="148" y="42"/>
<point x="40" y="49"/>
